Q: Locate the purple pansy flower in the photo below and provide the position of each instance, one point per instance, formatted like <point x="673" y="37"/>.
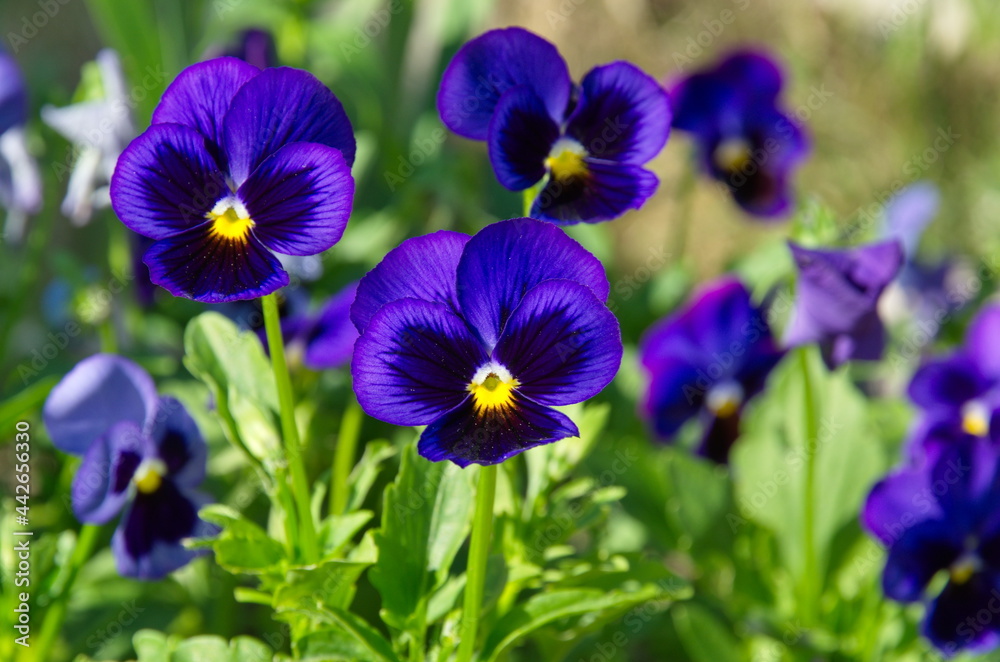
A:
<point x="20" y="183"/>
<point x="478" y="338"/>
<point x="744" y="139"/>
<point x="837" y="299"/>
<point x="141" y="453"/>
<point x="239" y="164"/>
<point x="707" y="360"/>
<point x="512" y="89"/>
<point x="962" y="391"/>
<point x="941" y="517"/>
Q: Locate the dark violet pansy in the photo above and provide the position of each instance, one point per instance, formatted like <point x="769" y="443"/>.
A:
<point x="941" y="518"/>
<point x="20" y="183"/>
<point x="512" y="89"/>
<point x="141" y="453"/>
<point x="836" y="303"/>
<point x="707" y="360"/>
<point x="238" y="165"/>
<point x="478" y="338"/>
<point x="961" y="390"/>
<point x="744" y="139"/>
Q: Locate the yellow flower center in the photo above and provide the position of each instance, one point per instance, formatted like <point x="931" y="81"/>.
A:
<point x="976" y="418"/>
<point x="962" y="570"/>
<point x="732" y="154"/>
<point x="492" y="388"/>
<point x="149" y="476"/>
<point x="230" y="220"/>
<point x="566" y="160"/>
<point x="724" y="399"/>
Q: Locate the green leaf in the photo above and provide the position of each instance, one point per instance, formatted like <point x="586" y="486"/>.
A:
<point x="232" y="363"/>
<point x="769" y="461"/>
<point x="366" y="471"/>
<point x="330" y="583"/>
<point x="368" y="638"/>
<point x="337" y="530"/>
<point x="242" y="546"/>
<point x="545" y="608"/>
<point x="332" y="644"/>
<point x="425" y="519"/>
<point x="705" y="639"/>
<point x="153" y="646"/>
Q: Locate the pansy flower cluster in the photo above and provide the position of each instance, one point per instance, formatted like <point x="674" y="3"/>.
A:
<point x="745" y="140"/>
<point x="585" y="144"/>
<point x="938" y="513"/>
<point x="142" y="453"/>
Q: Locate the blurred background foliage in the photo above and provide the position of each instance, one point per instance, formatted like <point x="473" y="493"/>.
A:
<point x="876" y="83"/>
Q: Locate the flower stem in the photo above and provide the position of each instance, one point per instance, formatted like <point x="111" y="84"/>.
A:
<point x="343" y="458"/>
<point x="810" y="593"/>
<point x="289" y="429"/>
<point x="479" y="551"/>
<point x="63" y="585"/>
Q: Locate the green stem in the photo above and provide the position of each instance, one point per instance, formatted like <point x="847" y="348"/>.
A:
<point x="63" y="585"/>
<point x="810" y="579"/>
<point x="479" y="551"/>
<point x="289" y="429"/>
<point x="343" y="458"/>
<point x="683" y="201"/>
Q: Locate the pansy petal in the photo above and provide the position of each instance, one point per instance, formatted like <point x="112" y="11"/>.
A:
<point x="300" y="198"/>
<point x="330" y="341"/>
<point x="200" y="96"/>
<point x="13" y="93"/>
<point x="521" y="134"/>
<point x="920" y="553"/>
<point x="99" y="392"/>
<point x="414" y="362"/>
<point x="947" y="623"/>
<point x="179" y="443"/>
<point x="605" y="193"/>
<point x="200" y="265"/>
<point x="489" y="65"/>
<point x="897" y="503"/>
<point x="464" y="437"/>
<point x="675" y="394"/>
<point x="101" y="485"/>
<point x="306" y="111"/>
<point x="908" y="214"/>
<point x="148" y="542"/>
<point x="945" y="384"/>
<point x="166" y="181"/>
<point x="865" y="342"/>
<point x="623" y="115"/>
<point x="507" y="259"/>
<point x="717" y="314"/>
<point x="419" y="268"/>
<point x="561" y="344"/>
<point x="755" y="71"/>
<point x="836" y="288"/>
<point x="983" y="341"/>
